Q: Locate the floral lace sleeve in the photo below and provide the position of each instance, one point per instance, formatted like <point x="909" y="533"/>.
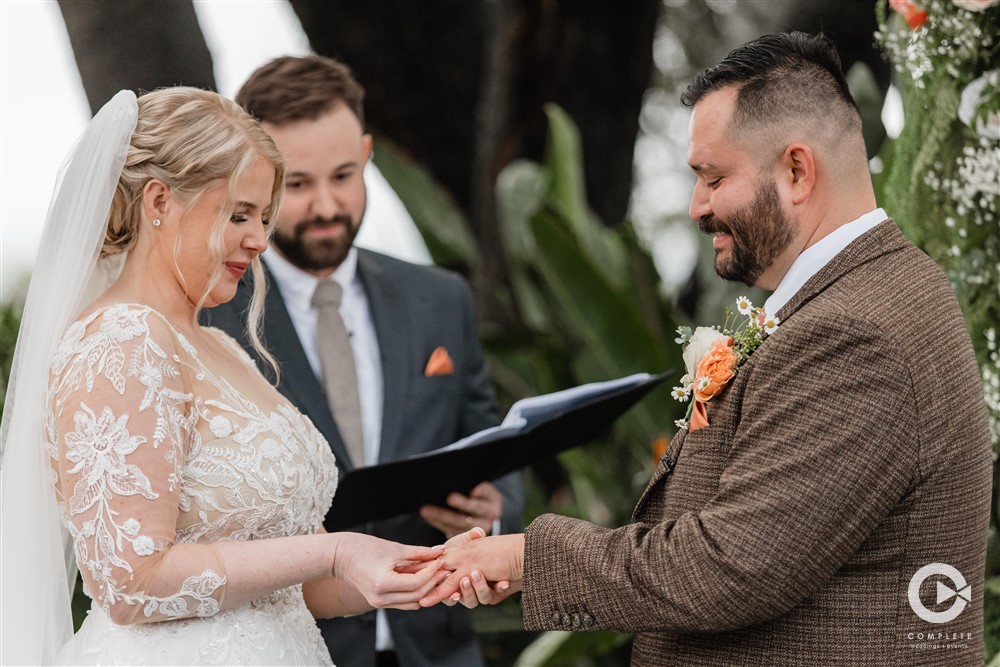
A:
<point x="118" y="426"/>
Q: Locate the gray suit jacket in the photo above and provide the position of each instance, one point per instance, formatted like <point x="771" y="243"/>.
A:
<point x="851" y="450"/>
<point x="415" y="310"/>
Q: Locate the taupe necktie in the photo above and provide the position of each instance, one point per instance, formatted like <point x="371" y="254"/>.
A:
<point x="340" y="379"/>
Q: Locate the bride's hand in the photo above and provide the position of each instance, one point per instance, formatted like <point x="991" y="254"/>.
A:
<point x="386" y="573"/>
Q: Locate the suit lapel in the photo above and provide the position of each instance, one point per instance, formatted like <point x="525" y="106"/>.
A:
<point x="392" y="327"/>
<point x="876" y="242"/>
<point x="298" y="381"/>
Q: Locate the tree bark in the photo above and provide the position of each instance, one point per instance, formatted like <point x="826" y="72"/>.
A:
<point x="136" y="45"/>
<point x="461" y="85"/>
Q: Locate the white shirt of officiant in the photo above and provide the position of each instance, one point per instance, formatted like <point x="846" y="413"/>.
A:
<point x="818" y="255"/>
<point x="296" y="288"/>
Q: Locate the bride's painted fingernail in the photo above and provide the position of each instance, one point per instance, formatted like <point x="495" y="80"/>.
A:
<point x="476" y="576"/>
<point x="503" y="587"/>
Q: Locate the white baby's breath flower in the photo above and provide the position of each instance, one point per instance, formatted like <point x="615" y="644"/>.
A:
<point x="681" y="394"/>
<point x="770" y="324"/>
<point x="744" y="305"/>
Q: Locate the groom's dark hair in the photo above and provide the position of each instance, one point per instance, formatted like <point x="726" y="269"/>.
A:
<point x="781" y="78"/>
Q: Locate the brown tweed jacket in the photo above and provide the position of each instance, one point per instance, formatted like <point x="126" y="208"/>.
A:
<point x="851" y="450"/>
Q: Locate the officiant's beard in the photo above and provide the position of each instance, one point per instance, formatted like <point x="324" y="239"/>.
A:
<point x="317" y="254"/>
<point x="760" y="232"/>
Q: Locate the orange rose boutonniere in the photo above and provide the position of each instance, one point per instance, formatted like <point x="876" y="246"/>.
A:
<point x="713" y="356"/>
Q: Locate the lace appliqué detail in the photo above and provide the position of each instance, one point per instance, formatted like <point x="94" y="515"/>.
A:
<point x="151" y="424"/>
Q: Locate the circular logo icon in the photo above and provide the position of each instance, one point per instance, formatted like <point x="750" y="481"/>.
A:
<point x="960" y="590"/>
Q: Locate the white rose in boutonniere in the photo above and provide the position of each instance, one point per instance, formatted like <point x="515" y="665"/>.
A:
<point x="697" y="347"/>
<point x="713" y="356"/>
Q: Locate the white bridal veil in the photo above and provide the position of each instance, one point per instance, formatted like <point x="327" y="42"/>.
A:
<point x="37" y="568"/>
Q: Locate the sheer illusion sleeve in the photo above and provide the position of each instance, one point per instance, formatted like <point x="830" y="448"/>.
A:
<point x="119" y="423"/>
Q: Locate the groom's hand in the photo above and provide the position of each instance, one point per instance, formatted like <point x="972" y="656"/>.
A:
<point x="480" y="508"/>
<point x="496" y="559"/>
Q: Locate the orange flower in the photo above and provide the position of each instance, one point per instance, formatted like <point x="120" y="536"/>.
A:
<point x="659" y="448"/>
<point x="715" y="370"/>
<point x="914" y="17"/>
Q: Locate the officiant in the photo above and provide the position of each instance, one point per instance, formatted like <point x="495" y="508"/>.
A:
<point x="382" y="355"/>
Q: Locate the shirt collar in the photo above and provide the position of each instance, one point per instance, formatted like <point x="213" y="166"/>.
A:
<point x="298" y="285"/>
<point x="818" y="255"/>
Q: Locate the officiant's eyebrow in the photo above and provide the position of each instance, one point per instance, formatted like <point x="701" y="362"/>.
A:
<point x="701" y="166"/>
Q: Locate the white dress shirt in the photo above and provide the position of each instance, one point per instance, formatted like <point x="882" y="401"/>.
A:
<point x="818" y="255"/>
<point x="296" y="288"/>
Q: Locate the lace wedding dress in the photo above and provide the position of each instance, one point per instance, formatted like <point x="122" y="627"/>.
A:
<point x="154" y="445"/>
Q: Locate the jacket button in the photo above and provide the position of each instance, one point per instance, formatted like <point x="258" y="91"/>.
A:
<point x="576" y="620"/>
<point x="556" y="617"/>
<point x="588" y="620"/>
<point x="566" y="620"/>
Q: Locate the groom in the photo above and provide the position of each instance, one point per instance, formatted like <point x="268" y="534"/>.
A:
<point x="844" y="475"/>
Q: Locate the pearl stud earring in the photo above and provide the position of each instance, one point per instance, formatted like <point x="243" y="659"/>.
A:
<point x="156" y="222"/>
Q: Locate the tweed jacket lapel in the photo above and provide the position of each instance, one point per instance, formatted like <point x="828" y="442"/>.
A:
<point x="392" y="327"/>
<point x="298" y="381"/>
<point x="878" y="241"/>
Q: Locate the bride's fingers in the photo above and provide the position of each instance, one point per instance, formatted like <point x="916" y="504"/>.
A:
<point x="409" y="599"/>
<point x="412" y="567"/>
<point x="422" y="554"/>
<point x="448" y="586"/>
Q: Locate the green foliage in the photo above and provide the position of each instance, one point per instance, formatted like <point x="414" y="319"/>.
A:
<point x="587" y="307"/>
<point x="10" y="319"/>
<point x="443" y="227"/>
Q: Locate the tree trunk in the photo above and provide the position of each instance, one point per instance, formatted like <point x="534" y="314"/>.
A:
<point x="461" y="85"/>
<point x="136" y="45"/>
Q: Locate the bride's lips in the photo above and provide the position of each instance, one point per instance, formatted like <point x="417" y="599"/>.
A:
<point x="237" y="269"/>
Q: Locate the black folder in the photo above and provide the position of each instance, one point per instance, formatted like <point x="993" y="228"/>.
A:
<point x="547" y="426"/>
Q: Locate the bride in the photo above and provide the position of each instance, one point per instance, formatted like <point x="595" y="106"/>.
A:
<point x="190" y="492"/>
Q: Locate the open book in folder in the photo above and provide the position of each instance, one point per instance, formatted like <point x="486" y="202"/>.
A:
<point x="534" y="428"/>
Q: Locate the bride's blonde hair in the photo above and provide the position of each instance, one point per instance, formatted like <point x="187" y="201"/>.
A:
<point x="191" y="139"/>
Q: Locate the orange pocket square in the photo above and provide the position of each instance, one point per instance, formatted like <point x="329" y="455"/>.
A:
<point x="439" y="364"/>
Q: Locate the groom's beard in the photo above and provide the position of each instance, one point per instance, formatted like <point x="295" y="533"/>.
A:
<point x="760" y="232"/>
<point x="317" y="254"/>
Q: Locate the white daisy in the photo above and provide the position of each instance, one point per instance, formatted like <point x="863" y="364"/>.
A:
<point x="744" y="305"/>
<point x="681" y="394"/>
<point x="680" y="423"/>
<point x="770" y="324"/>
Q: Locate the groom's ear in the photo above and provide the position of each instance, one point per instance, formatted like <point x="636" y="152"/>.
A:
<point x="155" y="198"/>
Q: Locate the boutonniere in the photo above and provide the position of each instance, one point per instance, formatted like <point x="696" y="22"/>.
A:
<point x="713" y="356"/>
